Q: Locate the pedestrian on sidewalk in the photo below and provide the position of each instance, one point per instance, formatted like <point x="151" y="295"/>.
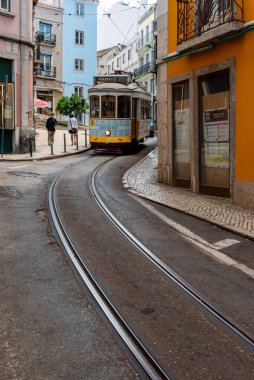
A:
<point x="73" y="128"/>
<point x="51" y="127"/>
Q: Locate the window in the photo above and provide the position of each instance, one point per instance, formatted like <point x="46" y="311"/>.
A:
<point x="5" y="4"/>
<point x="45" y="31"/>
<point x="152" y="86"/>
<point x="45" y="62"/>
<point x="124" y="58"/>
<point x="80" y="9"/>
<point x="118" y="62"/>
<point x="145" y="109"/>
<point x="79" y="64"/>
<point x="108" y="106"/>
<point x="124" y="107"/>
<point x="79" y="91"/>
<point x="113" y="66"/>
<point x="94" y="106"/>
<point x="129" y="55"/>
<point x="79" y="37"/>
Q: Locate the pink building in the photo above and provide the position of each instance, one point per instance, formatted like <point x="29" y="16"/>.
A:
<point x="16" y="66"/>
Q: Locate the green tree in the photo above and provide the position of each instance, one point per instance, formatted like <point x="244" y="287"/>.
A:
<point x="71" y="104"/>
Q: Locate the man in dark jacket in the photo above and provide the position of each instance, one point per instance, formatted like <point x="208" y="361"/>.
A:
<point x="51" y="127"/>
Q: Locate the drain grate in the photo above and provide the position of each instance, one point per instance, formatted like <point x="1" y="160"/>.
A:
<point x="8" y="192"/>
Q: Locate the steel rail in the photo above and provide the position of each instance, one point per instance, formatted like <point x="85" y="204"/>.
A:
<point x="178" y="280"/>
<point x="145" y="360"/>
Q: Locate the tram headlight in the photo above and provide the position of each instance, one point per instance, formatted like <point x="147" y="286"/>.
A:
<point x="107" y="132"/>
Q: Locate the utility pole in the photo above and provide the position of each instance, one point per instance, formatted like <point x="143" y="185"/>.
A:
<point x="3" y="127"/>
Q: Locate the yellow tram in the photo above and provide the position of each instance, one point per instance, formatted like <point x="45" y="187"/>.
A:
<point x="120" y="113"/>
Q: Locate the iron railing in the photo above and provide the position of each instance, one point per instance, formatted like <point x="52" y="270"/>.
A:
<point x="46" y="38"/>
<point x="46" y="71"/>
<point x="145" y="69"/>
<point x="195" y="17"/>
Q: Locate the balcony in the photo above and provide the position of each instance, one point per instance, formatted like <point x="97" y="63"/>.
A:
<point x="46" y="71"/>
<point x="46" y="38"/>
<point x="202" y="21"/>
<point x="145" y="69"/>
<point x="147" y="39"/>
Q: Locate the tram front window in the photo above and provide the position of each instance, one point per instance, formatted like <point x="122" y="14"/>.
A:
<point x="108" y="106"/>
<point x="94" y="106"/>
<point x="124" y="107"/>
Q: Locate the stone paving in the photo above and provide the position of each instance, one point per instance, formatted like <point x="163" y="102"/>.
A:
<point x="43" y="150"/>
<point x="142" y="180"/>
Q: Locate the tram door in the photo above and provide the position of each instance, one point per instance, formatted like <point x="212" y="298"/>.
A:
<point x="214" y="135"/>
<point x="134" y="115"/>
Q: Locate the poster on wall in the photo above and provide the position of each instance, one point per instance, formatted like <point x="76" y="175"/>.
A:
<point x="216" y="138"/>
<point x="182" y="135"/>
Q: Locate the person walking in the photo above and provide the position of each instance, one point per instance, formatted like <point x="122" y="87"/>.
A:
<point x="51" y="127"/>
<point x="73" y="128"/>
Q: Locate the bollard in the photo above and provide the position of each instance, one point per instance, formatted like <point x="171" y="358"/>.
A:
<point x="51" y="147"/>
<point x="30" y="147"/>
<point x="77" y="140"/>
<point x="64" y="143"/>
<point x="85" y="138"/>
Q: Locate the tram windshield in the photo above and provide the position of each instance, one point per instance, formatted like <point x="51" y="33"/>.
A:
<point x="94" y="106"/>
<point x="108" y="106"/>
<point x="124" y="107"/>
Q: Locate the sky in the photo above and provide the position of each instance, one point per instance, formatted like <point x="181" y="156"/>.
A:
<point x="106" y="4"/>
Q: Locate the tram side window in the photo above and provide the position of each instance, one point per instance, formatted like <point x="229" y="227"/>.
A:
<point x="94" y="106"/>
<point x="108" y="106"/>
<point x="124" y="107"/>
<point x="145" y="109"/>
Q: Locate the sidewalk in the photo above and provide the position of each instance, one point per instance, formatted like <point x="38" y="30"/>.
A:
<point x="142" y="181"/>
<point x="43" y="150"/>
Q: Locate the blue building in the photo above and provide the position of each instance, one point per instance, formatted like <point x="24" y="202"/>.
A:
<point x="79" y="47"/>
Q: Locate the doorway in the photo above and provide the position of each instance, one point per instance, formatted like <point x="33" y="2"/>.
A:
<point x="214" y="134"/>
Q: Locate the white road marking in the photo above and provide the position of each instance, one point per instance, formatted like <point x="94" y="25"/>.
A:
<point x="206" y="247"/>
<point x="225" y="243"/>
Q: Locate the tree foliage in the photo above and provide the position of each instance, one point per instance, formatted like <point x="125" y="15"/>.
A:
<point x="71" y="104"/>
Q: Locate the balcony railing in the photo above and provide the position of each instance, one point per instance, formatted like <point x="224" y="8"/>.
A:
<point x="46" y="38"/>
<point x="145" y="69"/>
<point x="46" y="71"/>
<point x="195" y="17"/>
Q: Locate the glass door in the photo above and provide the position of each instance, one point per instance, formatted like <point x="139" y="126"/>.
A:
<point x="181" y="134"/>
<point x="214" y="134"/>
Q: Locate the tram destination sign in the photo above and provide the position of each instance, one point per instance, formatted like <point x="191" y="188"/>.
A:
<point x="122" y="79"/>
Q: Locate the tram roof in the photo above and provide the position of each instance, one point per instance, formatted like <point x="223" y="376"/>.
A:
<point x="118" y="87"/>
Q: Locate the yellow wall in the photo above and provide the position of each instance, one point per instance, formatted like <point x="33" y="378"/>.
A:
<point x="242" y="50"/>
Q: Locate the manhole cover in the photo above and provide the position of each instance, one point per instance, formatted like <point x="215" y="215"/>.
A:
<point x="8" y="192"/>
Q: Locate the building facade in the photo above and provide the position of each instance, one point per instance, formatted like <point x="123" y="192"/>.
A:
<point x="79" y="47"/>
<point x="205" y="71"/>
<point x="16" y="75"/>
<point x="48" y="37"/>
<point x="125" y="58"/>
<point x="145" y="74"/>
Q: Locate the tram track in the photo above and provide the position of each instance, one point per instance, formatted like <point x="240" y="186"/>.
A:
<point x="144" y="359"/>
<point x="212" y="310"/>
<point x="149" y="365"/>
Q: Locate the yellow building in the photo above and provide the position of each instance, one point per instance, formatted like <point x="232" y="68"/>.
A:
<point x="206" y="96"/>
